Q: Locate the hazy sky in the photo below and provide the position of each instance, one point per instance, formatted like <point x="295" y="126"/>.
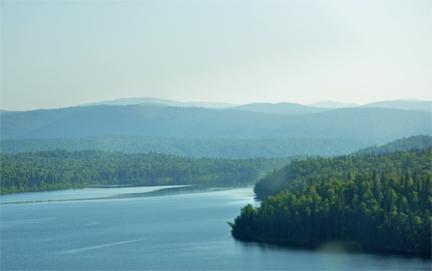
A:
<point x="64" y="53"/>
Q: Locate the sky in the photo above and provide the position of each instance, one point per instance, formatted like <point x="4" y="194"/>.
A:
<point x="64" y="53"/>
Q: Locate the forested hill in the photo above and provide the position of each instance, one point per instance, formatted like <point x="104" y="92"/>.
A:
<point x="191" y="147"/>
<point x="295" y="175"/>
<point x="60" y="169"/>
<point x="403" y="144"/>
<point x="380" y="203"/>
<point x="368" y="124"/>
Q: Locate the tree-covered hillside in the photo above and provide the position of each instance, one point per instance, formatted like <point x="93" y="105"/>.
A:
<point x="191" y="147"/>
<point x="60" y="169"/>
<point x="403" y="144"/>
<point x="380" y="203"/>
<point x="295" y="175"/>
<point x="368" y="124"/>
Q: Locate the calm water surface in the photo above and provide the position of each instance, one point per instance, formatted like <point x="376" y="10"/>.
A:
<point x="174" y="232"/>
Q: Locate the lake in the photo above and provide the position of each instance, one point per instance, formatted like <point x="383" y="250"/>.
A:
<point x="152" y="228"/>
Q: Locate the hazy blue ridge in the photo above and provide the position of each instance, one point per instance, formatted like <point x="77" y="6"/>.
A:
<point x="368" y="124"/>
<point x="403" y="104"/>
<point x="162" y="102"/>
<point x="333" y="104"/>
<point x="191" y="147"/>
<point x="19" y="123"/>
<point x="279" y="108"/>
<point x="6" y="112"/>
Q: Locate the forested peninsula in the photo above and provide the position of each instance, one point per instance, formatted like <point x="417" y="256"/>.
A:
<point x="379" y="202"/>
<point x="61" y="169"/>
<point x="296" y="174"/>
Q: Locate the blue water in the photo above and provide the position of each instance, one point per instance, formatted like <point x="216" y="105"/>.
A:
<point x="174" y="232"/>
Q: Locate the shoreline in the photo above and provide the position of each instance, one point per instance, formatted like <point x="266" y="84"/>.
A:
<point x="345" y="246"/>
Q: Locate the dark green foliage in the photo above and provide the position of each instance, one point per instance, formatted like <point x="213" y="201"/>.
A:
<point x="403" y="144"/>
<point x="382" y="202"/>
<point x="61" y="169"/>
<point x="191" y="147"/>
<point x="296" y="174"/>
<point x="369" y="124"/>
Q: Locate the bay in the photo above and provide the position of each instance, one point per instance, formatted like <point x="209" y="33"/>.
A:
<point x="143" y="229"/>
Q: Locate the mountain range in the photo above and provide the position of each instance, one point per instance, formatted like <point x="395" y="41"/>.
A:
<point x="162" y="102"/>
<point x="402" y="104"/>
<point x="333" y="104"/>
<point x="368" y="124"/>
<point x="223" y="130"/>
<point x="278" y="108"/>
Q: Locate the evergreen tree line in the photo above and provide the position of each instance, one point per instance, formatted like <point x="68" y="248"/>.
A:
<point x="61" y="169"/>
<point x="383" y="208"/>
<point x="296" y="174"/>
<point x="402" y="144"/>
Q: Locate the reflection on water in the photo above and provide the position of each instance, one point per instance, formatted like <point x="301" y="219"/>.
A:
<point x="117" y="193"/>
<point x="174" y="191"/>
<point x="334" y="256"/>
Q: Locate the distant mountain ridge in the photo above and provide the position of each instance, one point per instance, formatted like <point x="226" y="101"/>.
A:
<point x="6" y="112"/>
<point x="279" y="108"/>
<point x="333" y="104"/>
<point x="162" y="102"/>
<point x="319" y="107"/>
<point x="367" y="124"/>
<point x="403" y="104"/>
<point x="274" y="108"/>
